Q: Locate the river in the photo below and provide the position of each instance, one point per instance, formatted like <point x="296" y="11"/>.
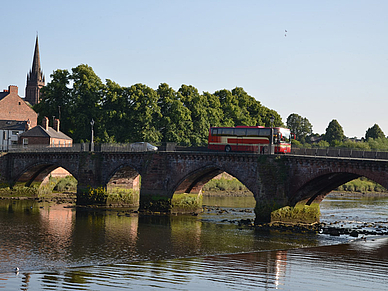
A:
<point x="57" y="247"/>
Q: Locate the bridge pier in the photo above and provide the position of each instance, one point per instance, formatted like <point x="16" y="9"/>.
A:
<point x="300" y="213"/>
<point x="178" y="204"/>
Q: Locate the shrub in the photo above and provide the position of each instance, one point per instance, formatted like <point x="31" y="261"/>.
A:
<point x="224" y="185"/>
<point x="67" y="184"/>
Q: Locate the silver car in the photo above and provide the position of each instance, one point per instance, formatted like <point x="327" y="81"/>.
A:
<point x="142" y="147"/>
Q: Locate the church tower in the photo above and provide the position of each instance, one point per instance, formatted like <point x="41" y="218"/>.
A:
<point x="35" y="79"/>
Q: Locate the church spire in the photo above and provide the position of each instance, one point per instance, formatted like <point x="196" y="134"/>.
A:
<point x="35" y="78"/>
<point x="36" y="61"/>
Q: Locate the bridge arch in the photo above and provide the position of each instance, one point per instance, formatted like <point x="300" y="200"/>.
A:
<point x="37" y="172"/>
<point x="193" y="182"/>
<point x="125" y="175"/>
<point x="186" y="192"/>
<point x="316" y="187"/>
<point x="123" y="185"/>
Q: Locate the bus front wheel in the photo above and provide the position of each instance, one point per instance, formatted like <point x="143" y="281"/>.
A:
<point x="228" y="148"/>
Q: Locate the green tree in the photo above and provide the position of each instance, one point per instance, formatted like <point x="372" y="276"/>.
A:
<point x="334" y="133"/>
<point x="214" y="110"/>
<point x="230" y="108"/>
<point x="144" y="114"/>
<point x="268" y="114"/>
<point x="249" y="109"/>
<point x="374" y="132"/>
<point x="300" y="126"/>
<point x="197" y="104"/>
<point x="378" y="144"/>
<point x="139" y="113"/>
<point x="56" y="100"/>
<point x="175" y="122"/>
<point x="87" y="97"/>
<point x="116" y="112"/>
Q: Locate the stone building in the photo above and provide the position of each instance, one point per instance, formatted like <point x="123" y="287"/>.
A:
<point x="35" y="78"/>
<point x="45" y="135"/>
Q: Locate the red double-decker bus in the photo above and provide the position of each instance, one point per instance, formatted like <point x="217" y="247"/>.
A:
<point x="250" y="139"/>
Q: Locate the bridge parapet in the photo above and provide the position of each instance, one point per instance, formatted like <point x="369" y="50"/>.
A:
<point x="170" y="147"/>
<point x="340" y="152"/>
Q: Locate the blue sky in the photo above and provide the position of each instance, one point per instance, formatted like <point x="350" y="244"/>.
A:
<point x="332" y="63"/>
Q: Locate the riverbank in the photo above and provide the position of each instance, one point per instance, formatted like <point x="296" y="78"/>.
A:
<point x="58" y="198"/>
<point x="358" y="194"/>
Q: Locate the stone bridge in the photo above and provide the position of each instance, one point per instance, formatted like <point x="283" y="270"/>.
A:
<point x="276" y="181"/>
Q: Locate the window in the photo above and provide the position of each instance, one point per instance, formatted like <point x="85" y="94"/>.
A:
<point x="252" y="132"/>
<point x="240" y="131"/>
<point x="228" y="131"/>
<point x="15" y="132"/>
<point x="265" y="132"/>
<point x="25" y="141"/>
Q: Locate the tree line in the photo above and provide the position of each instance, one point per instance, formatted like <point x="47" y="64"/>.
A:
<point x="334" y="136"/>
<point x="140" y="113"/>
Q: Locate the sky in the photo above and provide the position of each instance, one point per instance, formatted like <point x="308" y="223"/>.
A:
<point x="323" y="60"/>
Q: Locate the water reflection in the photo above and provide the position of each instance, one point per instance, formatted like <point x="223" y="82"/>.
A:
<point x="344" y="267"/>
<point x="51" y="244"/>
<point x="42" y="236"/>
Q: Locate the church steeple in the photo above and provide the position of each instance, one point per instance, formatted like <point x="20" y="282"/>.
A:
<point x="35" y="78"/>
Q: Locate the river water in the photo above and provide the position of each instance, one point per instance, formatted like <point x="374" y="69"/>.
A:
<point x="57" y="247"/>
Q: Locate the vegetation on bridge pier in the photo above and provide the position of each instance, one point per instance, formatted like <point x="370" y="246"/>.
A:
<point x="114" y="197"/>
<point x="178" y="204"/>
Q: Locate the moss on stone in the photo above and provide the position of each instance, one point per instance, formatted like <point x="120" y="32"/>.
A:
<point x="300" y="213"/>
<point x="263" y="210"/>
<point x="155" y="204"/>
<point x="186" y="203"/>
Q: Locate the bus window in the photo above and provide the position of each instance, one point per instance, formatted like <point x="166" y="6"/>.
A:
<point x="285" y="136"/>
<point x="228" y="131"/>
<point x="215" y="131"/>
<point x="265" y="132"/>
<point x="240" y="131"/>
<point x="252" y="132"/>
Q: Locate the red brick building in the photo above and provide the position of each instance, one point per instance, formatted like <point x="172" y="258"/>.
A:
<point x="45" y="135"/>
<point x="12" y="107"/>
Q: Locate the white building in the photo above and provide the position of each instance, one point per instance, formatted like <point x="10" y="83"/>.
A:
<point x="10" y="131"/>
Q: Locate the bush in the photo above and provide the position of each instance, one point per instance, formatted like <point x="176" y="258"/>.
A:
<point x="67" y="184"/>
<point x="224" y="185"/>
<point x="362" y="185"/>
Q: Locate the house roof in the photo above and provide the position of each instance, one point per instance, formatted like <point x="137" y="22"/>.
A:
<point x="3" y="94"/>
<point x="12" y="124"/>
<point x="39" y="131"/>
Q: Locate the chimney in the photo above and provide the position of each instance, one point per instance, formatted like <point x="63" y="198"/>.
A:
<point x="45" y="123"/>
<point x="13" y="89"/>
<point x="56" y="124"/>
<point x="28" y="125"/>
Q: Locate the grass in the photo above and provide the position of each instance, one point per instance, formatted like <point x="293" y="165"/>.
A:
<point x="224" y="185"/>
<point x="361" y="185"/>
